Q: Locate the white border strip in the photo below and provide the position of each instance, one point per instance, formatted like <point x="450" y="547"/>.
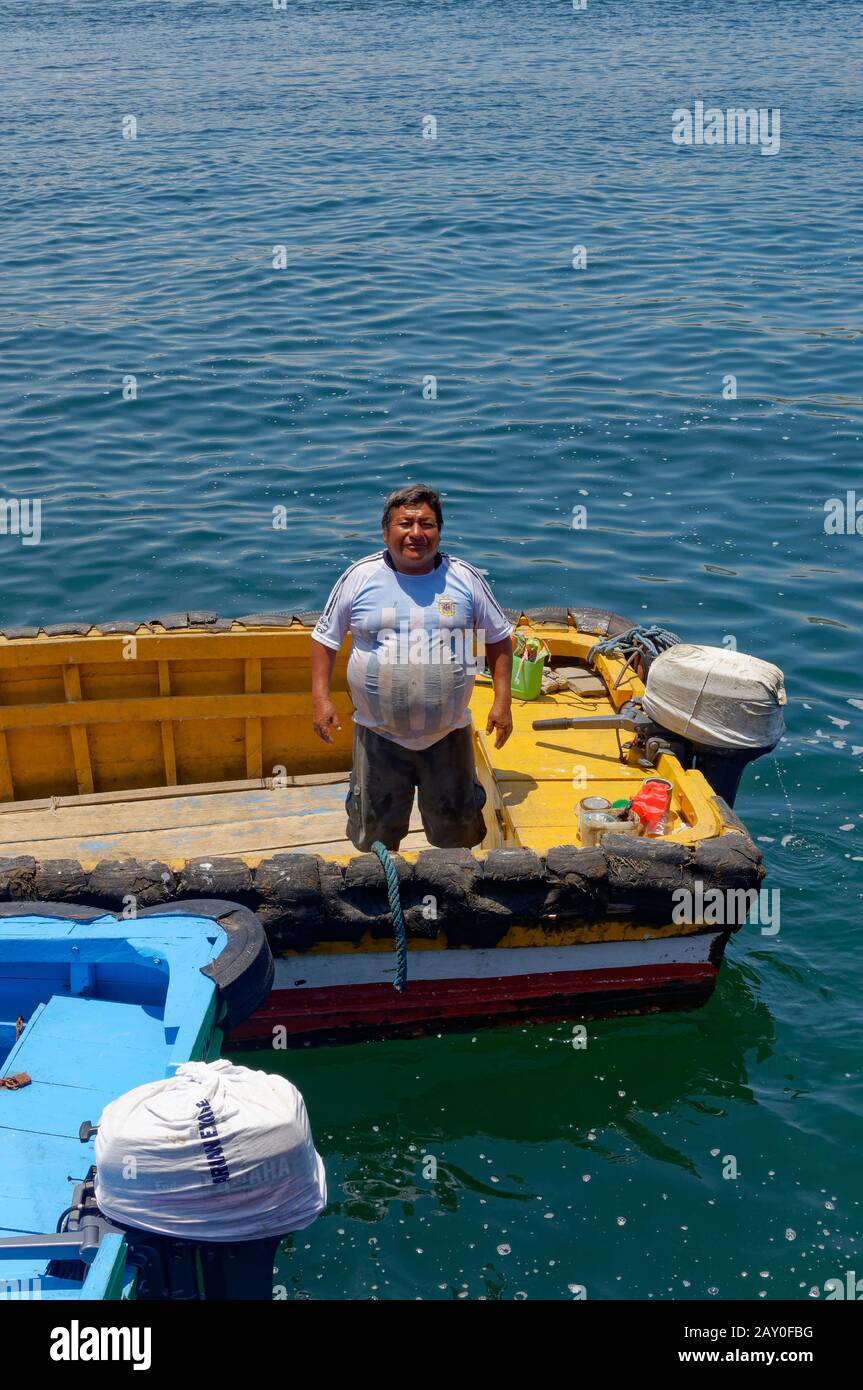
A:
<point x="378" y="967"/>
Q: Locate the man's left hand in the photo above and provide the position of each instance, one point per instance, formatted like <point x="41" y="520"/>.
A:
<point x="499" y="721"/>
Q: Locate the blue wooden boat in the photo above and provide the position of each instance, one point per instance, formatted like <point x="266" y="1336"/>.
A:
<point x="92" y="1005"/>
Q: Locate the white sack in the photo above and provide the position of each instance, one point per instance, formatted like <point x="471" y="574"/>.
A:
<point x="214" y="1153"/>
<point x="716" y="697"/>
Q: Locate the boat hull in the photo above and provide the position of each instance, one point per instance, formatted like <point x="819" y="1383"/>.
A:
<point x="144" y="766"/>
<point x="348" y="997"/>
<point x="93" y="1005"/>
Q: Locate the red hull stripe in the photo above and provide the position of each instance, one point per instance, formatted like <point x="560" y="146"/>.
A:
<point x="364" y="1007"/>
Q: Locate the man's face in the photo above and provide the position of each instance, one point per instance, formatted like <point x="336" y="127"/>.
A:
<point x="412" y="538"/>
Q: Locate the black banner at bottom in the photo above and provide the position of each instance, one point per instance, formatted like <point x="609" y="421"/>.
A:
<point x="254" y="1340"/>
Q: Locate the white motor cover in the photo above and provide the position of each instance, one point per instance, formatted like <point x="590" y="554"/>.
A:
<point x="216" y="1152"/>
<point x="717" y="697"/>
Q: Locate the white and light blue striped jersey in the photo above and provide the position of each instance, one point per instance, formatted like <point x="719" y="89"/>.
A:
<point x="417" y="644"/>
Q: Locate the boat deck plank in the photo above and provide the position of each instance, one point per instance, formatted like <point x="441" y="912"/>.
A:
<point x="246" y="823"/>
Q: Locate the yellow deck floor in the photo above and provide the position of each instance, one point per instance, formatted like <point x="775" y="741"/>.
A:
<point x="542" y="775"/>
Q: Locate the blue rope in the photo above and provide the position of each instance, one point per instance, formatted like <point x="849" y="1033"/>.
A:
<point x="646" y="642"/>
<point x="399" y="931"/>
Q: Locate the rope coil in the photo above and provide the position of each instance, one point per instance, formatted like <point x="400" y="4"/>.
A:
<point x="645" y="642"/>
<point x="399" y="929"/>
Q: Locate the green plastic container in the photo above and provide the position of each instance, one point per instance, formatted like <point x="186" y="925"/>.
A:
<point x="527" y="678"/>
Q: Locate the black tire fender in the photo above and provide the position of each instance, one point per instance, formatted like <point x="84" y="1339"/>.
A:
<point x="548" y="614"/>
<point x="599" y="622"/>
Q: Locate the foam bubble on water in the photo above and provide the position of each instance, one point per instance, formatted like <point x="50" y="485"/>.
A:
<point x="779" y="778"/>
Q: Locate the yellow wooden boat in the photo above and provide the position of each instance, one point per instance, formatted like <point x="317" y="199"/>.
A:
<point x="143" y="763"/>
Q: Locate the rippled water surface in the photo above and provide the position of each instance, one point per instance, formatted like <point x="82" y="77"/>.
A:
<point x="302" y="388"/>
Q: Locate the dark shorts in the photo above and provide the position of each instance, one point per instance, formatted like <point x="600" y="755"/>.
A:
<point x="381" y="794"/>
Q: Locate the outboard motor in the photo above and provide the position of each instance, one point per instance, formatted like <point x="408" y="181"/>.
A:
<point x="713" y="709"/>
<point x="216" y="1162"/>
<point x="724" y="705"/>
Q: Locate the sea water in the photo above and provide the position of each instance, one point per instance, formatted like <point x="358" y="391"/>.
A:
<point x="261" y="266"/>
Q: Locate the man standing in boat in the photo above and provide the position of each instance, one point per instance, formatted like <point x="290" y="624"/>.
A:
<point x="421" y="622"/>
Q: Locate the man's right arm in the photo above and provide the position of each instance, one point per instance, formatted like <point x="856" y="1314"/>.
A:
<point x="329" y="633"/>
<point x="324" y="714"/>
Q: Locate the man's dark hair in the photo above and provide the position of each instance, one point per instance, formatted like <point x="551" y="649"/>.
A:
<point x="410" y="496"/>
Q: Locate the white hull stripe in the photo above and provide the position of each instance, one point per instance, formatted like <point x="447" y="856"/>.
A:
<point x="378" y="967"/>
